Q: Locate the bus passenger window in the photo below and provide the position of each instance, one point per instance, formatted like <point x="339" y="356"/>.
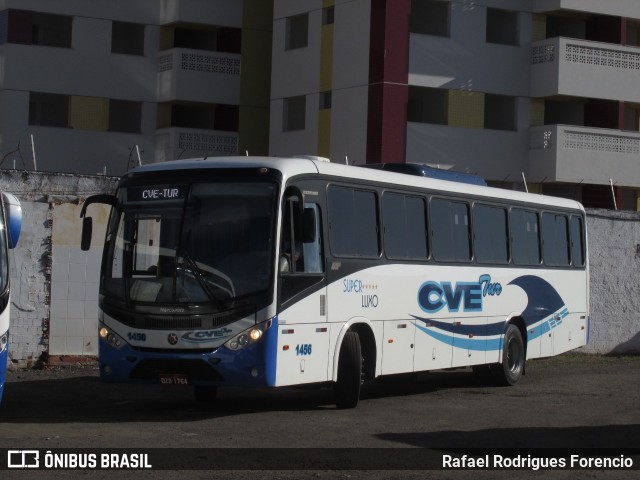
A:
<point x="405" y="227"/>
<point x="555" y="240"/>
<point x="490" y="234"/>
<point x="577" y="243"/>
<point x="353" y="222"/>
<point x="525" y="240"/>
<point x="450" y="230"/>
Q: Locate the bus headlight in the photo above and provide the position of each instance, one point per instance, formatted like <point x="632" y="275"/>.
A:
<point x="4" y="341"/>
<point x="112" y="338"/>
<point x="248" y="337"/>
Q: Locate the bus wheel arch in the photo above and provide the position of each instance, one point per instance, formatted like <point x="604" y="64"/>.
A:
<point x="514" y="354"/>
<point x="356" y="360"/>
<point x="368" y="347"/>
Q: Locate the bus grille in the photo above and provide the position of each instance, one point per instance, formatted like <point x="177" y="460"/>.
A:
<point x="184" y="322"/>
<point x="170" y="323"/>
<point x="151" y="369"/>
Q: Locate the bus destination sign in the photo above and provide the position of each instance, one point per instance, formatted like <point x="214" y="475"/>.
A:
<point x="156" y="193"/>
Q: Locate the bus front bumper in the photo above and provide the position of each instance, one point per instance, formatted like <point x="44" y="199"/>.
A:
<point x="249" y="367"/>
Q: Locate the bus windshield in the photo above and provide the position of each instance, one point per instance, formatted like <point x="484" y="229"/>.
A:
<point x="191" y="244"/>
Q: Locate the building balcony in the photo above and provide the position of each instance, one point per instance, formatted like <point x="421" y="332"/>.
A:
<point x="620" y="8"/>
<point x="219" y="12"/>
<point x="198" y="76"/>
<point x="181" y="143"/>
<point x="565" y="153"/>
<point x="579" y="68"/>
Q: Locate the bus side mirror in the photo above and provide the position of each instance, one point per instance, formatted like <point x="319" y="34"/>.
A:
<point x="87" y="222"/>
<point x="87" y="232"/>
<point x="309" y="225"/>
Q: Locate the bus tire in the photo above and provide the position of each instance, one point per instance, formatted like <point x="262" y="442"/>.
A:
<point x="511" y="369"/>
<point x="347" y="387"/>
<point x="204" y="393"/>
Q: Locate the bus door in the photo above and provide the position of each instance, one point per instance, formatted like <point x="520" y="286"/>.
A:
<point x="303" y="331"/>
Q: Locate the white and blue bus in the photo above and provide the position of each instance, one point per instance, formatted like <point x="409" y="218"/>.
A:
<point x="10" y="226"/>
<point x="277" y="272"/>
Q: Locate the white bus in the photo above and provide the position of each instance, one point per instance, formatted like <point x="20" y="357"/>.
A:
<point x="276" y="272"/>
<point x="10" y="225"/>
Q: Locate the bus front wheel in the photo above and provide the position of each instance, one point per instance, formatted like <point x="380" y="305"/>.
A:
<point x="347" y="387"/>
<point x="511" y="369"/>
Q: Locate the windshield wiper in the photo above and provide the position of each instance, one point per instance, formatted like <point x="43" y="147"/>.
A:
<point x="197" y="273"/>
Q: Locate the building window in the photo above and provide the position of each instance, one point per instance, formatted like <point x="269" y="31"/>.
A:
<point x="461" y="108"/>
<point x="127" y="38"/>
<point x="325" y="100"/>
<point x="84" y="113"/>
<point x="328" y="15"/>
<point x="48" y="109"/>
<point x="430" y="17"/>
<point x="633" y="33"/>
<point x="499" y="112"/>
<point x="51" y="30"/>
<point x="427" y="105"/>
<point x="193" y="116"/>
<point x="35" y="28"/>
<point x="294" y="113"/>
<point x="213" y="39"/>
<point x="502" y="27"/>
<point x="125" y="116"/>
<point x="297" y="32"/>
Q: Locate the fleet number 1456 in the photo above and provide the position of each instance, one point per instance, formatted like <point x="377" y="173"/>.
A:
<point x="303" y="349"/>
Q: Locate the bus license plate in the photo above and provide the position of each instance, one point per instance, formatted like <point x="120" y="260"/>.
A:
<point x="174" y="379"/>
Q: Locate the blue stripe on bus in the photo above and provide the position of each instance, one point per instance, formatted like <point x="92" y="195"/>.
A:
<point x="271" y="353"/>
<point x="3" y="369"/>
<point x="543" y="299"/>
<point x="476" y="330"/>
<point x="479" y="344"/>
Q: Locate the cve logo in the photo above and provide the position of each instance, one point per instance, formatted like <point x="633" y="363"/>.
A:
<point x="434" y="296"/>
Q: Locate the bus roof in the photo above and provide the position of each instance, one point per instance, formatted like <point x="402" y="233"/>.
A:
<point x="294" y="166"/>
<point x="423" y="170"/>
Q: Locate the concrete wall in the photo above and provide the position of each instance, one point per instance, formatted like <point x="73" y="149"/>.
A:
<point x="614" y="255"/>
<point x="55" y="284"/>
<point x="54" y="290"/>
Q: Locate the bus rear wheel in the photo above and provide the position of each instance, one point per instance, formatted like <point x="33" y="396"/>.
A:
<point x="511" y="369"/>
<point x="347" y="387"/>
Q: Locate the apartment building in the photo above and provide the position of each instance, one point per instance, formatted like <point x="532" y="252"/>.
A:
<point x="99" y="86"/>
<point x="542" y="91"/>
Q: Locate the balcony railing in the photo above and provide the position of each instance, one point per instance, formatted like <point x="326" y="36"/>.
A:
<point x="582" y="154"/>
<point x="590" y="53"/>
<point x="180" y="143"/>
<point x="199" y="61"/>
<point x="586" y="139"/>
<point x="199" y="76"/>
<point x="566" y="66"/>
